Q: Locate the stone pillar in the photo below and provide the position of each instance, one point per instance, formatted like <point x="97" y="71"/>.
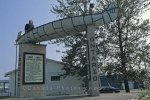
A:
<point x="31" y="65"/>
<point x="92" y="62"/>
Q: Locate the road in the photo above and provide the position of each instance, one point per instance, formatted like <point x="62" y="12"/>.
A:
<point x="133" y="95"/>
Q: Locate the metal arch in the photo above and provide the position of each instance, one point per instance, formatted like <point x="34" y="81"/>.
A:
<point x="74" y="28"/>
<point x="55" y="29"/>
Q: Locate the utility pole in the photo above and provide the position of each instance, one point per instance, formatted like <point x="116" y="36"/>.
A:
<point x="16" y="69"/>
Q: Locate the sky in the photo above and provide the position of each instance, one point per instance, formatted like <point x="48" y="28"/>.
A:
<point x="14" y="14"/>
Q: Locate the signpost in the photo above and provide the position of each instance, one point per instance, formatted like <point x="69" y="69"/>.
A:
<point x="92" y="62"/>
<point x="33" y="68"/>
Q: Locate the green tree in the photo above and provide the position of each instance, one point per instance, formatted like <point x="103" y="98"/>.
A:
<point x="121" y="45"/>
<point x="75" y="55"/>
<point x="127" y="40"/>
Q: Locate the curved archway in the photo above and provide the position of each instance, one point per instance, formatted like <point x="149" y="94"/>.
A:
<point x="58" y="29"/>
<point x="69" y="26"/>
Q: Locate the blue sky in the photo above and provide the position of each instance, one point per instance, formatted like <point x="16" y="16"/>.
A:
<point x="14" y="14"/>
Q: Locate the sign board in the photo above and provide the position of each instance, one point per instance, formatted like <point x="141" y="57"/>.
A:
<point x="92" y="62"/>
<point x="33" y="68"/>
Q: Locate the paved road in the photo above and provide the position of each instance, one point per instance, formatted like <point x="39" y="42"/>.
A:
<point x="103" y="96"/>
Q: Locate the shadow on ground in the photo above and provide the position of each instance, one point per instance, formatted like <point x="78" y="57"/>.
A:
<point x="61" y="97"/>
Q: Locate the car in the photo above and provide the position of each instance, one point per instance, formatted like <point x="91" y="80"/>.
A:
<point x="109" y="89"/>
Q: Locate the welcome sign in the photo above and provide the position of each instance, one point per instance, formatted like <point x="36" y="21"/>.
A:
<point x="33" y="68"/>
<point x="92" y="61"/>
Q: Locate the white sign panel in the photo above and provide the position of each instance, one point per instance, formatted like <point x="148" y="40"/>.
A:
<point x="33" y="68"/>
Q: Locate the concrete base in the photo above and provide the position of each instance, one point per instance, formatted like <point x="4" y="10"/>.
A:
<point x="30" y="89"/>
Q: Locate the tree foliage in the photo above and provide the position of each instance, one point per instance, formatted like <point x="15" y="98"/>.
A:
<point x="122" y="46"/>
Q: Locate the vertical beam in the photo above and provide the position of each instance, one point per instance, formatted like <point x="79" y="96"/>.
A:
<point x="92" y="62"/>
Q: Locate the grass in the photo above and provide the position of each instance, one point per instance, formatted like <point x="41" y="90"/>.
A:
<point x="144" y="95"/>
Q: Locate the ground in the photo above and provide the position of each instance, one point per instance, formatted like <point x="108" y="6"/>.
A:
<point x="133" y="95"/>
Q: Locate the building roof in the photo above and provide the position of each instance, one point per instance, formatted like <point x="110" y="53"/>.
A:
<point x="10" y="72"/>
<point x="47" y="59"/>
<point x="4" y="81"/>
